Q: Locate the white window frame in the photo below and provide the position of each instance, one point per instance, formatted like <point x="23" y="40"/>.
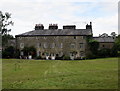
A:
<point x="21" y="45"/>
<point x="45" y="45"/>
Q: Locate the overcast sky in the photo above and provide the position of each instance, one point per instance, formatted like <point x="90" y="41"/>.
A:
<point x="26" y="13"/>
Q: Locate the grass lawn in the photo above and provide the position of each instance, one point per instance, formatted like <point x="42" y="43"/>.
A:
<point x="57" y="74"/>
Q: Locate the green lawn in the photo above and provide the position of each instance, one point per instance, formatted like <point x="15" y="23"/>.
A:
<point x="57" y="74"/>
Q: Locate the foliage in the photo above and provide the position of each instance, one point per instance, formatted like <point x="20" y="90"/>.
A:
<point x="104" y="35"/>
<point x="90" y="56"/>
<point x="4" y="31"/>
<point x="4" y="22"/>
<point x="46" y="74"/>
<point x="93" y="46"/>
<point x="59" y="58"/>
<point x="66" y="57"/>
<point x="116" y="48"/>
<point x="104" y="52"/>
<point x="38" y="57"/>
<point x="5" y="39"/>
<point x="29" y="51"/>
<point x="113" y="34"/>
<point x="8" y="52"/>
<point x="17" y="53"/>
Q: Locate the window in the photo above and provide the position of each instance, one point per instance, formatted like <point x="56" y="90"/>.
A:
<point x="45" y="45"/>
<point x="21" y="45"/>
<point x="38" y="45"/>
<point x="43" y="54"/>
<point x="45" y="37"/>
<point x="20" y="38"/>
<point x="82" y="37"/>
<point x="60" y="54"/>
<point x="38" y="53"/>
<point x="81" y="53"/>
<point x="81" y="45"/>
<point x="53" y="45"/>
<point x="74" y="37"/>
<point x="72" y="45"/>
<point x="21" y="53"/>
<point x="103" y="45"/>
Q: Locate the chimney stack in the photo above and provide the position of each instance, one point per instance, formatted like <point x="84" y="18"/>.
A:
<point x="89" y="26"/>
<point x="39" y="27"/>
<point x="53" y="26"/>
<point x="69" y="27"/>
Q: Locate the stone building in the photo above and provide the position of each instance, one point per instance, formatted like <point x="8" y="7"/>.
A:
<point x="53" y="42"/>
<point x="105" y="41"/>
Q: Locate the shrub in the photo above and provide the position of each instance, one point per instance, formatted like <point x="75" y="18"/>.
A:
<point x="9" y="52"/>
<point x="66" y="57"/>
<point x="104" y="52"/>
<point x="29" y="51"/>
<point x="38" y="57"/>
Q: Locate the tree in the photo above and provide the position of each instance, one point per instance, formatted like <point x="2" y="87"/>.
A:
<point x="8" y="52"/>
<point x="4" y="31"/>
<point x="113" y="34"/>
<point x="104" y="35"/>
<point x="93" y="46"/>
<point x="5" y="39"/>
<point x="4" y="22"/>
<point x="116" y="47"/>
<point x="105" y="52"/>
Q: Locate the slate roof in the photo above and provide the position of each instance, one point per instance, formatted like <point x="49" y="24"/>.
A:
<point x="59" y="32"/>
<point x="108" y="39"/>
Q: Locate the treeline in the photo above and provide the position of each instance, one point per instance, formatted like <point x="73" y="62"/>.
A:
<point x="95" y="52"/>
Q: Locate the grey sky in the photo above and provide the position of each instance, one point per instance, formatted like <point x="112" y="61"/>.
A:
<point x="26" y="13"/>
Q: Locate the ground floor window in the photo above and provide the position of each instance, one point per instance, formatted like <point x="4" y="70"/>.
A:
<point x="81" y="53"/>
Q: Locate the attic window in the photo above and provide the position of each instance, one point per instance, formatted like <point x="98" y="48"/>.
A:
<point x="74" y="37"/>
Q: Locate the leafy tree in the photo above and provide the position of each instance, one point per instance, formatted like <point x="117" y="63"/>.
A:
<point x="93" y="46"/>
<point x="4" y="22"/>
<point x="105" y="52"/>
<point x="116" y="47"/>
<point x="8" y="52"/>
<point x="113" y="34"/>
<point x="104" y="35"/>
<point x="5" y="39"/>
<point x="4" y="31"/>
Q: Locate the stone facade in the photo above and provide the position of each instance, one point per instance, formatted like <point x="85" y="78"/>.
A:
<point x="106" y="45"/>
<point x="68" y="41"/>
<point x="55" y="45"/>
<point x="105" y="42"/>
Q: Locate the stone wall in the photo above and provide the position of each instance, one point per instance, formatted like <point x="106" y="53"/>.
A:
<point x="108" y="45"/>
<point x="54" y="45"/>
